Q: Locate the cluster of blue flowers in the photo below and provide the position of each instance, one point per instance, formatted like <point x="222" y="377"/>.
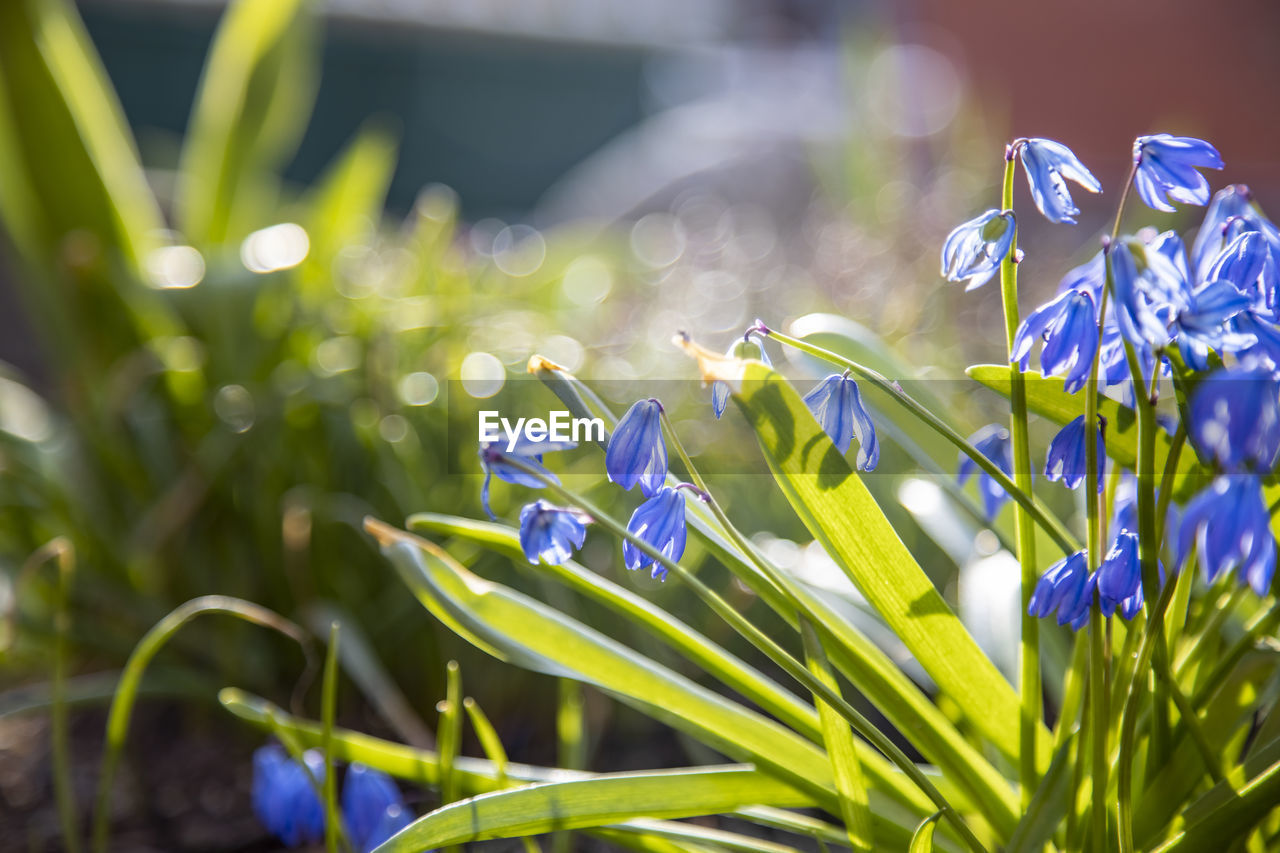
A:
<point x="286" y="799"/>
<point x="637" y="455"/>
<point x="1183" y="313"/>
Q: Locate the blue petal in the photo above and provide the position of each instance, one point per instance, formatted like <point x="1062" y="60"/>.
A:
<point x="637" y="451"/>
<point x="1048" y="166"/>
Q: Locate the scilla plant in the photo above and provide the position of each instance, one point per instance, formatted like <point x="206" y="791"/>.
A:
<point x="1159" y="367"/>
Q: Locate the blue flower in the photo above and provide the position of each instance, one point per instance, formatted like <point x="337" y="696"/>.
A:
<point x="392" y="820"/>
<point x="1167" y="169"/>
<point x="974" y="250"/>
<point x="837" y="405"/>
<point x="1265" y="350"/>
<point x="1149" y="289"/>
<point x="285" y="797"/>
<point x="991" y="441"/>
<point x="1201" y="326"/>
<point x="1235" y="418"/>
<point x="1230" y="202"/>
<point x="1049" y="165"/>
<point x="741" y="348"/>
<point x="659" y="522"/>
<point x="1230" y="525"/>
<point x="637" y="451"/>
<point x="550" y="533"/>
<point x="1120" y="576"/>
<point x="1068" y="325"/>
<point x="1066" y="458"/>
<point x="1091" y="276"/>
<point x="368" y="796"/>
<point x="502" y="459"/>
<point x="1065" y="587"/>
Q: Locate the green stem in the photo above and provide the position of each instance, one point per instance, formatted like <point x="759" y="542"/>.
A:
<point x="1052" y="526"/>
<point x="131" y="678"/>
<point x="1263" y="625"/>
<point x="1099" y="728"/>
<point x="328" y="710"/>
<point x="765" y="644"/>
<point x="1029" y="648"/>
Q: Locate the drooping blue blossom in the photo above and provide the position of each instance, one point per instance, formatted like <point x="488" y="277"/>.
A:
<point x="1231" y="202"/>
<point x="1049" y="165"/>
<point x="992" y="441"/>
<point x="284" y="794"/>
<point x="1230" y="214"/>
<point x="745" y="348"/>
<point x="1229" y="525"/>
<point x="368" y="796"/>
<point x="1167" y="169"/>
<point x="1120" y="575"/>
<point x="503" y="459"/>
<point x="550" y="533"/>
<point x="836" y="404"/>
<point x="974" y="250"/>
<point x="1067" y="588"/>
<point x="1247" y="262"/>
<point x="1068" y="325"/>
<point x="1235" y="418"/>
<point x="660" y="523"/>
<point x="637" y="451"/>
<point x="1066" y="458"/>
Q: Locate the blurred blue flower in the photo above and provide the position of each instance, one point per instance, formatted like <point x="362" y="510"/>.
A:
<point x="284" y="794"/>
<point x="659" y="522"/>
<point x="974" y="250"/>
<point x="1120" y="576"/>
<point x="637" y="451"/>
<point x="1065" y="587"/>
<point x="1066" y="458"/>
<point x="550" y="533"/>
<point x="1229" y="524"/>
<point x="836" y="404"/>
<point x="1247" y="262"/>
<point x="1167" y="169"/>
<point x="393" y="819"/>
<point x="1235" y="418"/>
<point x="1049" y="165"/>
<point x="1230" y="202"/>
<point x="367" y="796"/>
<point x="992" y="441"/>
<point x="741" y="348"/>
<point x="496" y="460"/>
<point x="1068" y="325"/>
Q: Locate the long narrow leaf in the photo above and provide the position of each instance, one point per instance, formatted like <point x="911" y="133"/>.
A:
<point x="841" y="514"/>
<point x="537" y="637"/>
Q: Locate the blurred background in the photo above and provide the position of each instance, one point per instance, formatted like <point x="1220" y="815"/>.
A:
<point x="249" y="248"/>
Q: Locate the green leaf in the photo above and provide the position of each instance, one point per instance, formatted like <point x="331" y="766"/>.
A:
<point x="1047" y="397"/>
<point x="477" y="776"/>
<point x="922" y="841"/>
<point x="866" y="666"/>
<point x="69" y="161"/>
<point x="695" y="647"/>
<point x="255" y="97"/>
<point x="838" y="737"/>
<point x="346" y="205"/>
<point x="840" y="514"/>
<point x="599" y="801"/>
<point x="537" y="637"/>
